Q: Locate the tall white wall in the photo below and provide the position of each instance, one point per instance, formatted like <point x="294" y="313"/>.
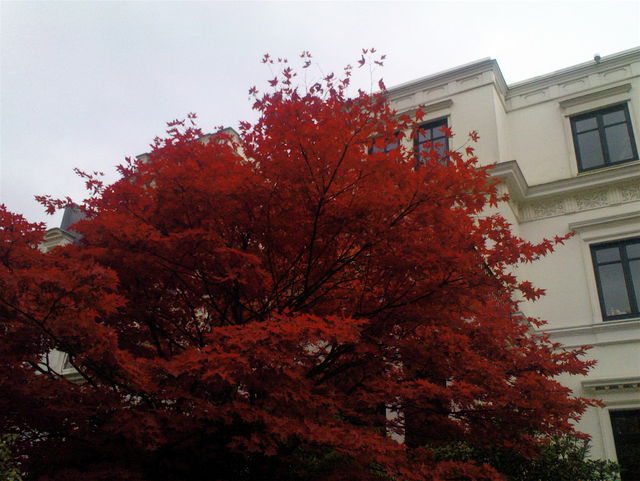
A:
<point x="529" y="123"/>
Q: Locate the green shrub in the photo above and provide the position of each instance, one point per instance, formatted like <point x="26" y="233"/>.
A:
<point x="562" y="459"/>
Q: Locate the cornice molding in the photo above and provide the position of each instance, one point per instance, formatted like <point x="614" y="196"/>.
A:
<point x="599" y="221"/>
<point x="632" y="325"/>
<point x="609" y="333"/>
<point x="447" y="76"/>
<point x="55" y="237"/>
<point x="592" y="190"/>
<point x="434" y="107"/>
<point x="612" y="384"/>
<point x="575" y="71"/>
<point x="71" y="375"/>
<point x="532" y="90"/>
<point x="429" y="108"/>
<point x="600" y="94"/>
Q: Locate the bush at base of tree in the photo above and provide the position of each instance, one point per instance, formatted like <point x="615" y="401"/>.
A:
<point x="9" y="470"/>
<point x="562" y="458"/>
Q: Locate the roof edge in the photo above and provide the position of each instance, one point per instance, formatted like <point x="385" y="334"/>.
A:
<point x="486" y="64"/>
<point x="450" y="74"/>
<point x="617" y="57"/>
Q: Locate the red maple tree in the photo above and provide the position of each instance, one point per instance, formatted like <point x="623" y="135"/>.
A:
<point x="290" y="304"/>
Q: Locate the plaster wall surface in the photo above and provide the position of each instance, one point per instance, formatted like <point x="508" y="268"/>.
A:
<point x="525" y="129"/>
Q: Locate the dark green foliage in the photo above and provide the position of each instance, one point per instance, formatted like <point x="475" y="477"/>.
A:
<point x="562" y="459"/>
<point x="8" y="469"/>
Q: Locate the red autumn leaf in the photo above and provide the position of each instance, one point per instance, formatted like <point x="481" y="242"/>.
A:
<point x="446" y="131"/>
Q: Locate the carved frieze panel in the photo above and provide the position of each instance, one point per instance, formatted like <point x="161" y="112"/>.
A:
<point x="573" y="85"/>
<point x="545" y="208"/>
<point x="630" y="192"/>
<point x="616" y="73"/>
<point x="582" y="200"/>
<point x="592" y="199"/>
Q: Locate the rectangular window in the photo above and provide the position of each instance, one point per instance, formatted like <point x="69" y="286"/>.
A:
<point x="617" y="270"/>
<point x="603" y="137"/>
<point x="626" y="434"/>
<point x="431" y="137"/>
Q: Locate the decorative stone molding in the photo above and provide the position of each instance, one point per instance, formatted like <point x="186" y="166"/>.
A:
<point x="435" y="91"/>
<point x="545" y="208"/>
<point x="626" y="331"/>
<point x="595" y="75"/>
<point x="536" y="94"/>
<point x="630" y="192"/>
<point x="443" y="104"/>
<point x="590" y="224"/>
<point x="573" y="85"/>
<point x="600" y="94"/>
<point x="613" y="384"/>
<point x="579" y="201"/>
<point x="428" y="108"/>
<point x="471" y="79"/>
<point x="449" y="78"/>
<point x="607" y="187"/>
<point x="71" y="375"/>
<point x="606" y="64"/>
<point x="615" y="73"/>
<point x="56" y="237"/>
<point x="592" y="199"/>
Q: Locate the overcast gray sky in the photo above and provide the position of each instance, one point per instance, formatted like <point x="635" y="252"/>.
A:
<point x="84" y="84"/>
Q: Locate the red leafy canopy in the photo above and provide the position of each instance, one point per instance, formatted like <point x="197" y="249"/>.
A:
<point x="285" y="305"/>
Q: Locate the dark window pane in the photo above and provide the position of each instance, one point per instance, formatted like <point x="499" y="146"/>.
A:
<point x="608" y="255"/>
<point x="614" y="117"/>
<point x="626" y="434"/>
<point x="586" y="124"/>
<point x="590" y="149"/>
<point x="619" y="143"/>
<point x="617" y="267"/>
<point x="633" y="250"/>
<point x="614" y="290"/>
<point x="634" y="268"/>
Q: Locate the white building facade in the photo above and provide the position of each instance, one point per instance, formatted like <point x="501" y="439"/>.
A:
<point x="565" y="145"/>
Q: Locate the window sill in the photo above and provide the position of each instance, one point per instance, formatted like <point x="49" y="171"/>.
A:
<point x="608" y="168"/>
<point x="600" y="333"/>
